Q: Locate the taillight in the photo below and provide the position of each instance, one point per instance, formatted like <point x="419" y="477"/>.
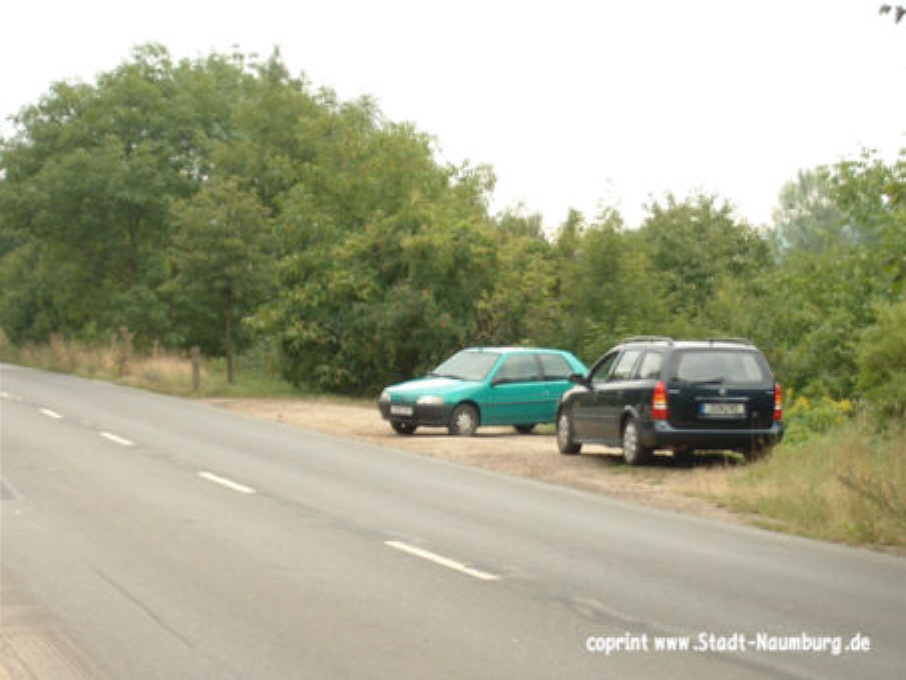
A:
<point x="659" y="410"/>
<point x="778" y="403"/>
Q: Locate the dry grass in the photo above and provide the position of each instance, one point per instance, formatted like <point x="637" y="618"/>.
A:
<point x="159" y="370"/>
<point x="847" y="484"/>
<point x="163" y="372"/>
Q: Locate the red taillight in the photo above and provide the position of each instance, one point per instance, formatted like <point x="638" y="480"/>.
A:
<point x="778" y="403"/>
<point x="659" y="410"/>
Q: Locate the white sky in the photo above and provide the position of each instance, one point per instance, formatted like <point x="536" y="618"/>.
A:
<point x="573" y="102"/>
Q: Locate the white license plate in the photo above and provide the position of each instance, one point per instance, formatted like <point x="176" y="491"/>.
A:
<point x="397" y="410"/>
<point x="724" y="409"/>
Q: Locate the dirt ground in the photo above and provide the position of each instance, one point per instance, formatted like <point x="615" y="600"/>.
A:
<point x="664" y="484"/>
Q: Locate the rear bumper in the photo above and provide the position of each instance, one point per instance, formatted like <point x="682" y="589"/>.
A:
<point x="422" y="415"/>
<point x="661" y="435"/>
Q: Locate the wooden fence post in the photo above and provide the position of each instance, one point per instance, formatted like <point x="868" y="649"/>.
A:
<point x="196" y="368"/>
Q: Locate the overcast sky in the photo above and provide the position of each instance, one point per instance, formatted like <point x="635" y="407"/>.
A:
<point x="574" y="103"/>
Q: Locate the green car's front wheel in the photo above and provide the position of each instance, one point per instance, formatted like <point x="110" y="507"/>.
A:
<point x="464" y="420"/>
<point x="402" y="428"/>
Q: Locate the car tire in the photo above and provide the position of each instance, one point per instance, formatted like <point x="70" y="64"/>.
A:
<point x="524" y="429"/>
<point x="633" y="451"/>
<point x="464" y="421"/>
<point x="566" y="441"/>
<point x="402" y="428"/>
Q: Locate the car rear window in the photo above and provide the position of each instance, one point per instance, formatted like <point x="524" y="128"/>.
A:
<point x="727" y="367"/>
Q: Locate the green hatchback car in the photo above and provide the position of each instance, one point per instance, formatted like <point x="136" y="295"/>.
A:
<point x="518" y="386"/>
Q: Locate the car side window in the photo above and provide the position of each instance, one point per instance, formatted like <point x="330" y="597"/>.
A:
<point x="650" y="366"/>
<point x="518" y="368"/>
<point x="555" y="367"/>
<point x="623" y="368"/>
<point x="601" y="372"/>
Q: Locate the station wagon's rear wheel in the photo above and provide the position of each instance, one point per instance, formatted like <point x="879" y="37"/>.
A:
<point x="464" y="420"/>
<point x="633" y="451"/>
<point x="565" y="436"/>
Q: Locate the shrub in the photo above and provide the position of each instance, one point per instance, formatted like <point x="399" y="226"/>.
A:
<point x="881" y="359"/>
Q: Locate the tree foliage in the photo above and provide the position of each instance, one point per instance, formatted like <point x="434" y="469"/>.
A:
<point x="221" y="250"/>
<point x="223" y="200"/>
<point x="898" y="11"/>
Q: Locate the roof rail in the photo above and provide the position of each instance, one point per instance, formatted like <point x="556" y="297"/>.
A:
<point x="736" y="341"/>
<point x="648" y="338"/>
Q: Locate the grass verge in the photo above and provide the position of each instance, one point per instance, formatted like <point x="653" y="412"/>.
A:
<point x="847" y="484"/>
<point x="157" y="370"/>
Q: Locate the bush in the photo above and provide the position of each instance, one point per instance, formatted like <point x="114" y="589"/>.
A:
<point x="881" y="360"/>
<point x="804" y="417"/>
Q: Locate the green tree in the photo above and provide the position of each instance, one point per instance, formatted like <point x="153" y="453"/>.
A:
<point x="881" y="358"/>
<point x="694" y="246"/>
<point x="872" y="195"/>
<point x="270" y="140"/>
<point x="386" y="253"/>
<point x="520" y="307"/>
<point x="222" y="254"/>
<point x="898" y="11"/>
<point x="597" y="282"/>
<point x="833" y="276"/>
<point x="88" y="180"/>
<point x="807" y="217"/>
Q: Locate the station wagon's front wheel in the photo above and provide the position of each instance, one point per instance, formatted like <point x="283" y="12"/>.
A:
<point x="566" y="441"/>
<point x="464" y="420"/>
<point x="633" y="451"/>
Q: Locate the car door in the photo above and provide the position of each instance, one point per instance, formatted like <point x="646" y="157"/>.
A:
<point x="515" y="396"/>
<point x="611" y="395"/>
<point x="586" y="416"/>
<point x="555" y="372"/>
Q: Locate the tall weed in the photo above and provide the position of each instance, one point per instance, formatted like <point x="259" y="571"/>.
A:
<point x="847" y="483"/>
<point x="159" y="370"/>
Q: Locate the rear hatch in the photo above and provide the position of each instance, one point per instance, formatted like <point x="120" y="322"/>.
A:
<point x="720" y="389"/>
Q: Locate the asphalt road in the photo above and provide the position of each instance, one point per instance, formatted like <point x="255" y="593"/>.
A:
<point x="151" y="537"/>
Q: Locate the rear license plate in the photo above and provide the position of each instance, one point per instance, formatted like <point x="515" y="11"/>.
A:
<point x="397" y="410"/>
<point x="724" y="409"/>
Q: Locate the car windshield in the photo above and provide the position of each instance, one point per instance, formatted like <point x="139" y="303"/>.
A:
<point x="715" y="367"/>
<point x="467" y="365"/>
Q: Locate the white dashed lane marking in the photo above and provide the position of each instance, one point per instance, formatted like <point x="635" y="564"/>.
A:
<point x="228" y="483"/>
<point x="116" y="439"/>
<point x="442" y="561"/>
